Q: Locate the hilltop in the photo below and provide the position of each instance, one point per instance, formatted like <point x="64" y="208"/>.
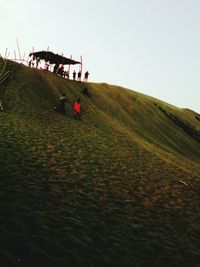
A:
<point x="119" y="188"/>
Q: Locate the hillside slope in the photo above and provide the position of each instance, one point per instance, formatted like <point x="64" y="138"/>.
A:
<point x="119" y="188"/>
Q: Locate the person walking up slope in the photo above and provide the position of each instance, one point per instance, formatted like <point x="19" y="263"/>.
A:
<point x="77" y="109"/>
<point x="62" y="104"/>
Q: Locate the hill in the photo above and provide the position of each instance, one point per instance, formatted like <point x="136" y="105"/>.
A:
<point x="118" y="188"/>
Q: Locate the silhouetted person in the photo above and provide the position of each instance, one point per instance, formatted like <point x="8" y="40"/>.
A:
<point x="74" y="75"/>
<point x="79" y="76"/>
<point x="86" y="76"/>
<point x="61" y="70"/>
<point x="86" y="92"/>
<point x="46" y="66"/>
<point x="77" y="109"/>
<point x="62" y="103"/>
<point x="55" y="69"/>
<point x="37" y="61"/>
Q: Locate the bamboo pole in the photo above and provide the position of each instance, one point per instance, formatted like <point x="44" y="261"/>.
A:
<point x="24" y="56"/>
<point x="19" y="50"/>
<point x="4" y="77"/>
<point x="81" y="65"/>
<point x="47" y="53"/>
<point x="4" y="66"/>
<point x="6" y="53"/>
<point x="69" y="66"/>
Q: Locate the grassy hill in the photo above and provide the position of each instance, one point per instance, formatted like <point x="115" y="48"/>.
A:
<point x="118" y="188"/>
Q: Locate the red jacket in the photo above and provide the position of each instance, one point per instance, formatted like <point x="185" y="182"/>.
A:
<point x="77" y="107"/>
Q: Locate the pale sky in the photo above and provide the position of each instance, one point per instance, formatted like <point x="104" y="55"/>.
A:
<point x="150" y="46"/>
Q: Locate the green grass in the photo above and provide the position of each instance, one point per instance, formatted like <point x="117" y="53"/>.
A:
<point x="106" y="191"/>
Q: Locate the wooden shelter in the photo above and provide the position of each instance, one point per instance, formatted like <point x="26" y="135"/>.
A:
<point x="53" y="58"/>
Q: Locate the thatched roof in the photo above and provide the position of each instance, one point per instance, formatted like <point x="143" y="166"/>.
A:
<point x="54" y="58"/>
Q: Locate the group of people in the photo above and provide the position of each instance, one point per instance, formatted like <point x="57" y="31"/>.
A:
<point x="34" y="62"/>
<point x="59" y="69"/>
<point x="63" y="106"/>
<point x="79" y="74"/>
<point x="75" y="76"/>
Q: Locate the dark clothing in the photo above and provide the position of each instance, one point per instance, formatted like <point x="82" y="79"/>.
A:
<point x="62" y="107"/>
<point x="55" y="69"/>
<point x="74" y="75"/>
<point x="79" y="76"/>
<point x="86" y="76"/>
<point x="86" y="92"/>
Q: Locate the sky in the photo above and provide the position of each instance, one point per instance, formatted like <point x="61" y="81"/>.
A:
<point x="149" y="46"/>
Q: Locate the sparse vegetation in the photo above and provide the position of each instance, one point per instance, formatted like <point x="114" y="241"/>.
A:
<point x="120" y="188"/>
<point x="187" y="127"/>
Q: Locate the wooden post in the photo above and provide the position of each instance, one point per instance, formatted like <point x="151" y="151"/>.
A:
<point x="27" y="62"/>
<point x="15" y="54"/>
<point x="6" y="53"/>
<point x="62" y="58"/>
<point x="69" y="66"/>
<point x="81" y="65"/>
<point x="47" y="53"/>
<point x="19" y="50"/>
<point x="80" y="68"/>
<point x="24" y="56"/>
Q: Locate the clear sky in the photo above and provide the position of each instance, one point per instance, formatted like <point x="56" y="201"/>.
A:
<point x="150" y="46"/>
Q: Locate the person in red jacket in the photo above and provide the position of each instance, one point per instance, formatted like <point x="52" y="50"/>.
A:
<point x="77" y="109"/>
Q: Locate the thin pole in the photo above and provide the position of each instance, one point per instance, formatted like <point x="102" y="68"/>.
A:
<point x="24" y="56"/>
<point x="69" y="65"/>
<point x="19" y="50"/>
<point x="6" y="52"/>
<point x="47" y="53"/>
<point x="62" y="58"/>
<point x="27" y="60"/>
<point x="15" y="54"/>
<point x="81" y="66"/>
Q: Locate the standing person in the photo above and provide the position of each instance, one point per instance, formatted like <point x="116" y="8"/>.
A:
<point x="74" y="75"/>
<point x="37" y="61"/>
<point x="61" y="70"/>
<point x="46" y="66"/>
<point x="79" y="76"/>
<point x="67" y="74"/>
<point x="56" y="67"/>
<point x="77" y="109"/>
<point x="62" y="104"/>
<point x="30" y="63"/>
<point x="86" y="76"/>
